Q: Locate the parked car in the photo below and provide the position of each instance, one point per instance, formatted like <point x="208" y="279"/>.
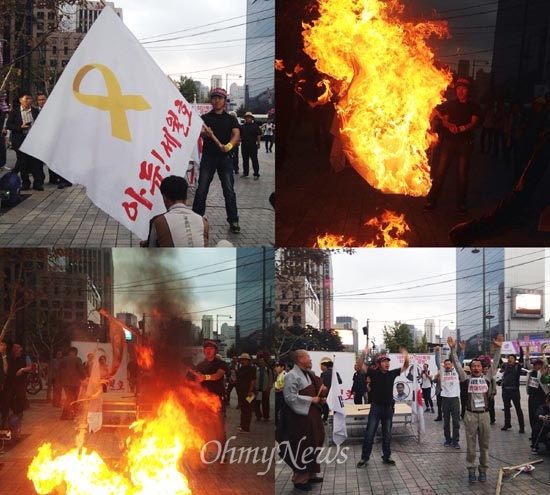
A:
<point x="522" y="377"/>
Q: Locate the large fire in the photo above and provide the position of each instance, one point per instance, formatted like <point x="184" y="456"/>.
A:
<point x="152" y="463"/>
<point x="382" y="74"/>
<point x="389" y="226"/>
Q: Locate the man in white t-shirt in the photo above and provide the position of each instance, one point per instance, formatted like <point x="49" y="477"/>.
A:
<point x="450" y="400"/>
<point x="180" y="226"/>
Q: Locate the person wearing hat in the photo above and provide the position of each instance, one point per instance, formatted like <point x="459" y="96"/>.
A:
<point x="235" y="151"/>
<point x="459" y="117"/>
<point x="251" y="136"/>
<point x="382" y="404"/>
<point x="211" y="371"/>
<point x="246" y="383"/>
<point x="536" y="389"/>
<point x="220" y="133"/>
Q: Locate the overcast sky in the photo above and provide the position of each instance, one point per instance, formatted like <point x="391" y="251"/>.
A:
<point x="191" y="38"/>
<point x="202" y="281"/>
<point x="383" y="285"/>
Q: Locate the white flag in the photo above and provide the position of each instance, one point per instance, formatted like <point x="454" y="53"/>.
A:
<point x="336" y="405"/>
<point x="116" y="124"/>
<point x="416" y="405"/>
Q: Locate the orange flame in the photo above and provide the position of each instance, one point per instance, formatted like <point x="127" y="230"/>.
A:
<point x="387" y="85"/>
<point x="279" y="64"/>
<point x="390" y="225"/>
<point x="144" y="356"/>
<point x="155" y="449"/>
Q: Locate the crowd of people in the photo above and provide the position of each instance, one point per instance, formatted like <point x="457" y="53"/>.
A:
<point x="465" y="395"/>
<point x="15" y="124"/>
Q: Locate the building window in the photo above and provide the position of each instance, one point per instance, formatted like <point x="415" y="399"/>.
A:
<point x="296" y="294"/>
<point x="297" y="320"/>
<point x="283" y="308"/>
<point x="53" y="62"/>
<point x="297" y="308"/>
<point x="65" y="50"/>
<point x="40" y="15"/>
<point x="283" y="294"/>
<point x="51" y="16"/>
<point x="54" y="49"/>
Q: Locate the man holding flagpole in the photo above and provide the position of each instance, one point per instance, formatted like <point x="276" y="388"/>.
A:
<point x="221" y="133"/>
<point x="382" y="405"/>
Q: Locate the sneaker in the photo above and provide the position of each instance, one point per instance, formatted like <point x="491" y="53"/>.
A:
<point x="427" y="409"/>
<point x="241" y="430"/>
<point x="447" y="443"/>
<point x="471" y="476"/>
<point x="234" y="227"/>
<point x="482" y="477"/>
<point x="388" y="460"/>
<point x="456" y="445"/>
<point x="438" y="419"/>
<point x="362" y="462"/>
<point x="504" y="428"/>
<point x="433" y="410"/>
<point x="535" y="451"/>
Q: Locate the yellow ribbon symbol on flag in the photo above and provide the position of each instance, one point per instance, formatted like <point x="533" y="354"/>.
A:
<point x="115" y="102"/>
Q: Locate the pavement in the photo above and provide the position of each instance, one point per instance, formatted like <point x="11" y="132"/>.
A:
<point x="313" y="201"/>
<point x="41" y="424"/>
<point x="67" y="218"/>
<point x="428" y="468"/>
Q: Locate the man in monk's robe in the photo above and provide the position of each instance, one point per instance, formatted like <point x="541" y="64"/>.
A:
<point x="304" y="395"/>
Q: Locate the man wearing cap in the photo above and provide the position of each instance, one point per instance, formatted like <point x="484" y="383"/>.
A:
<point x="221" y="134"/>
<point x="536" y="389"/>
<point x="458" y="117"/>
<point x="246" y="383"/>
<point x="382" y="405"/>
<point x="251" y="136"/>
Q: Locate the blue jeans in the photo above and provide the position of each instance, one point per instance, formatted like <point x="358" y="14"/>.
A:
<point x="378" y="414"/>
<point x="223" y="165"/>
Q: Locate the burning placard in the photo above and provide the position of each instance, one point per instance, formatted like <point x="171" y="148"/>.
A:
<point x="381" y="75"/>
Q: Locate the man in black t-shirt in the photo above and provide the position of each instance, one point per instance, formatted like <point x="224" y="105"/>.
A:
<point x="211" y="371"/>
<point x="220" y="133"/>
<point x="458" y="117"/>
<point x="250" y="144"/>
<point x="382" y="405"/>
<point x="246" y="383"/>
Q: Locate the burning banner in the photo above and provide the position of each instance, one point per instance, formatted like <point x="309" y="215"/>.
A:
<point x="116" y="124"/>
<point x="381" y="76"/>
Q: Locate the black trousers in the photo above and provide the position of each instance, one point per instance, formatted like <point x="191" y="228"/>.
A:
<point x="250" y="152"/>
<point x="27" y="165"/>
<point x="512" y="397"/>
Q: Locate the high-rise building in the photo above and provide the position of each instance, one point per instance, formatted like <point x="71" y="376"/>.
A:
<point x="260" y="56"/>
<point x="304" y="288"/>
<point x="254" y="299"/>
<point x="348" y="328"/>
<point x="521" y="53"/>
<point x="499" y="291"/>
<point x="86" y="14"/>
<point x="207" y="326"/>
<point x="216" y="81"/>
<point x="429" y="330"/>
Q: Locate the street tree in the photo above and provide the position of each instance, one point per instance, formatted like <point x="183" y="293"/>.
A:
<point x="396" y="336"/>
<point x="186" y="86"/>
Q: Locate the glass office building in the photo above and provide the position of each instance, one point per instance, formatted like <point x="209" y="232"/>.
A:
<point x="260" y="56"/>
<point x="255" y="294"/>
<point x="479" y="273"/>
<point x="499" y="291"/>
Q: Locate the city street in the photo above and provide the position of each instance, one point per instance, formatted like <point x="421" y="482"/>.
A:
<point x="429" y="468"/>
<point x="313" y="201"/>
<point x="42" y="424"/>
<point x="67" y="218"/>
